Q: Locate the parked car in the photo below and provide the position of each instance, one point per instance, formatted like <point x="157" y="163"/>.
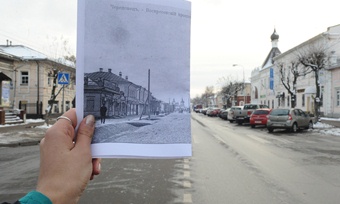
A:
<point x="204" y="110"/>
<point x="213" y="112"/>
<point x="259" y="117"/>
<point x="242" y="116"/>
<point x="224" y="114"/>
<point x="197" y="108"/>
<point x="231" y="112"/>
<point x="292" y="119"/>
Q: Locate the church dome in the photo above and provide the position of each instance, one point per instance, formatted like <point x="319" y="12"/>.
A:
<point x="274" y="36"/>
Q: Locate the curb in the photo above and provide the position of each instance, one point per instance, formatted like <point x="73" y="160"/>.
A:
<point x="334" y="123"/>
<point x="20" y="143"/>
<point x="25" y="125"/>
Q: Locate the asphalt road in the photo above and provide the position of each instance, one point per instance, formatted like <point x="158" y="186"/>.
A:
<point x="230" y="164"/>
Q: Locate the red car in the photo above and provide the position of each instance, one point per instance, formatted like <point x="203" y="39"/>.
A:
<point x="259" y="117"/>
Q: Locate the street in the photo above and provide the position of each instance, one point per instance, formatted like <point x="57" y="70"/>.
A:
<point x="230" y="164"/>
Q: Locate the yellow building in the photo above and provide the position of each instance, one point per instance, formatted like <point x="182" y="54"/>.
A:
<point x="26" y="80"/>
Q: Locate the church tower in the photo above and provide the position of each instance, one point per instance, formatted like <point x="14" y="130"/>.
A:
<point x="275" y="39"/>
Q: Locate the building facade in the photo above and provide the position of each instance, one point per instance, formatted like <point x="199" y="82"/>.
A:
<point x="263" y="79"/>
<point x="27" y="81"/>
<point x="267" y="87"/>
<point x="306" y="85"/>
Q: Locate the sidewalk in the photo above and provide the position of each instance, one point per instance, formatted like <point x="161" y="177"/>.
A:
<point x="23" y="134"/>
<point x="330" y="121"/>
<point x="31" y="132"/>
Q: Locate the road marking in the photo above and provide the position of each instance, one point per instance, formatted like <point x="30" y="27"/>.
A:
<point x="187" y="198"/>
<point x="186" y="184"/>
<point x="263" y="141"/>
<point x="186" y="166"/>
<point x="284" y="140"/>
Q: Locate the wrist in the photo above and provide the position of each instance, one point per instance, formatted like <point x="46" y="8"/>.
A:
<point x="35" y="197"/>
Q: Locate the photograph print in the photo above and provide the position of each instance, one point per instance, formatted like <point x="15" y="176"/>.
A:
<point x="133" y="75"/>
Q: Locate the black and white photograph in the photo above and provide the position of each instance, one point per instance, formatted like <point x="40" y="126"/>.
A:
<point x="134" y="61"/>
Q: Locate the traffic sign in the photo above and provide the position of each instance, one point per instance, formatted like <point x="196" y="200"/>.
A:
<point x="63" y="78"/>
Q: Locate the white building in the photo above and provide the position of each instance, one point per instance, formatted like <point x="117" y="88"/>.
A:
<point x="306" y="85"/>
<point x="262" y="78"/>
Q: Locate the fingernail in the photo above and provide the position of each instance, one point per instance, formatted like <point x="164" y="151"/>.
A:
<point x="99" y="167"/>
<point x="90" y="121"/>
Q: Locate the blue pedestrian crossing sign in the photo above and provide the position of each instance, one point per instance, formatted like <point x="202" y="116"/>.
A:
<point x="63" y="78"/>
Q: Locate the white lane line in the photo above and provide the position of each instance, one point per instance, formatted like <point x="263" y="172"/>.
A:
<point x="263" y="141"/>
<point x="186" y="174"/>
<point x="285" y="141"/>
<point x="186" y="184"/>
<point x="186" y="166"/>
<point x="187" y="198"/>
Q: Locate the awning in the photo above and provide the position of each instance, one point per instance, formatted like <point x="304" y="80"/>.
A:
<point x="310" y="90"/>
<point x="4" y="77"/>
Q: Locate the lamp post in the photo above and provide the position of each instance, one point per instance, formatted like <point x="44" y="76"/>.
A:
<point x="244" y="95"/>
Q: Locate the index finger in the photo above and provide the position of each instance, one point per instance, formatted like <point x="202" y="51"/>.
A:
<point x="65" y="125"/>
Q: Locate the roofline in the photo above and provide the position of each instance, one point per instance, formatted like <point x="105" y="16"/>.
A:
<point x="33" y="59"/>
<point x="307" y="42"/>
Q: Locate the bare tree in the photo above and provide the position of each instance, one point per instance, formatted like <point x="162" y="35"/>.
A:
<point x="208" y="93"/>
<point x="315" y="59"/>
<point x="289" y="75"/>
<point x="230" y="89"/>
<point x="197" y="100"/>
<point x="60" y="53"/>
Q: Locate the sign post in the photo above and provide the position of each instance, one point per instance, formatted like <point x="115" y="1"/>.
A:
<point x="63" y="79"/>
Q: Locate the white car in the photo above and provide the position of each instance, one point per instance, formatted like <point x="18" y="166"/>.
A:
<point x="231" y="112"/>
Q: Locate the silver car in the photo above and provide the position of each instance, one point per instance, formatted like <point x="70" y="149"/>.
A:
<point x="231" y="112"/>
<point x="292" y="119"/>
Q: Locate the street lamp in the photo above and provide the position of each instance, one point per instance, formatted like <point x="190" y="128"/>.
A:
<point x="244" y="95"/>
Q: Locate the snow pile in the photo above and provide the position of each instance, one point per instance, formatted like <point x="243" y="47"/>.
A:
<point x="326" y="129"/>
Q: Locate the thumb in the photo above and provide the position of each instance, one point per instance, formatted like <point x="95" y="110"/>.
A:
<point x="85" y="132"/>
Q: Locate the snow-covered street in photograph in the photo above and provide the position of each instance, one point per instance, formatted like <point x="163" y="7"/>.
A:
<point x="162" y="129"/>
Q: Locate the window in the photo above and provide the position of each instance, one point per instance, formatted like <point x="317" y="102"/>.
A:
<point x="272" y="103"/>
<point x="303" y="100"/>
<point x="321" y="97"/>
<point x="49" y="81"/>
<point x="89" y="104"/>
<point x="288" y="101"/>
<point x="24" y="78"/>
<point x="338" y="97"/>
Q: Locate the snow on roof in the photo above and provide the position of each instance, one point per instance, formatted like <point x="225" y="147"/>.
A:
<point x="20" y="51"/>
<point x="26" y="53"/>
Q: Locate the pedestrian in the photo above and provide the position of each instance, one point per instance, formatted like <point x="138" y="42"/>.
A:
<point x="103" y="110"/>
<point x="66" y="164"/>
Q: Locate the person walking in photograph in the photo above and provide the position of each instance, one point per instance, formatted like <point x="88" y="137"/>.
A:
<point x="103" y="110"/>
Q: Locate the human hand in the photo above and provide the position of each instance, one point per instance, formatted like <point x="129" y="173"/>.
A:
<point x="65" y="166"/>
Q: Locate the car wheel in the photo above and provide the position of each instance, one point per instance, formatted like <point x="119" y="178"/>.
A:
<point x="310" y="125"/>
<point x="270" y="129"/>
<point x="294" y="128"/>
<point x="231" y="121"/>
<point x="239" y="123"/>
<point x="252" y="126"/>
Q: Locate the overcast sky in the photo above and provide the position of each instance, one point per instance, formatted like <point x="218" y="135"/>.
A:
<point x="223" y="32"/>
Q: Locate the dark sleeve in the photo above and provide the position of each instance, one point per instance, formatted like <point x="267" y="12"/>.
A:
<point x="16" y="202"/>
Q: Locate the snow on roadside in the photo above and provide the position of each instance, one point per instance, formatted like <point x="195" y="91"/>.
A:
<point x="327" y="129"/>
